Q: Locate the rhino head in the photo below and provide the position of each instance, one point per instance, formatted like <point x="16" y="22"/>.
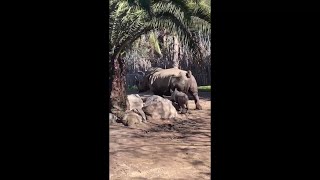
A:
<point x="142" y="78"/>
<point x="180" y="82"/>
<point x="141" y="81"/>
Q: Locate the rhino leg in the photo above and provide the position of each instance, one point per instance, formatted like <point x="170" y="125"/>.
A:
<point x="196" y="100"/>
<point x="183" y="111"/>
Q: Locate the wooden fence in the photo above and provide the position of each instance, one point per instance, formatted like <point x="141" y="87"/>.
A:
<point x="202" y="79"/>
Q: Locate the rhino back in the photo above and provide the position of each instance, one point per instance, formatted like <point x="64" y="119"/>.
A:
<point x="160" y="80"/>
<point x="159" y="84"/>
<point x="169" y="72"/>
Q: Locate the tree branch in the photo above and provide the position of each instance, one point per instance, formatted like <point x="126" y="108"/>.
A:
<point x="129" y="40"/>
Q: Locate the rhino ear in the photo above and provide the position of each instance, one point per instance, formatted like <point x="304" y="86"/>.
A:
<point x="141" y="73"/>
<point x="189" y="74"/>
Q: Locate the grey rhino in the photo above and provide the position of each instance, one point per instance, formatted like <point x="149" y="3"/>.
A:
<point x="160" y="81"/>
<point x="181" y="99"/>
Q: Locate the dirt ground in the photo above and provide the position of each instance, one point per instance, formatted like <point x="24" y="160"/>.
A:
<point x="164" y="149"/>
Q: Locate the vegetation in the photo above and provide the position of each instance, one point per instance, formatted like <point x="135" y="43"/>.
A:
<point x="132" y="88"/>
<point x="204" y="88"/>
<point x="183" y="20"/>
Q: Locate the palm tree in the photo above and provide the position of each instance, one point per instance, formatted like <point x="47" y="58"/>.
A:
<point x="129" y="19"/>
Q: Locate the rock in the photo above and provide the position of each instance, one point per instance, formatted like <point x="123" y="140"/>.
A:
<point x="157" y="107"/>
<point x="152" y="99"/>
<point x="141" y="113"/>
<point x="131" y="118"/>
<point x="134" y="101"/>
<point x="112" y="118"/>
<point x="135" y="104"/>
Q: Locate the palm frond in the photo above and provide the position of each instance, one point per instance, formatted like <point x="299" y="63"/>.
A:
<point x="129" y="19"/>
<point x="154" y="42"/>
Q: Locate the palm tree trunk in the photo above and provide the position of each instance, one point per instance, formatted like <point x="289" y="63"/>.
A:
<point x="176" y="49"/>
<point x="162" y="42"/>
<point x="118" y="96"/>
<point x="181" y="60"/>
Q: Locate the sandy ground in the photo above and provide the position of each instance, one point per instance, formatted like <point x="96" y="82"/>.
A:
<point x="164" y="149"/>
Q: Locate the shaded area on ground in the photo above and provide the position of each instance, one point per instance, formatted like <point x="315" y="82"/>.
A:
<point x="164" y="149"/>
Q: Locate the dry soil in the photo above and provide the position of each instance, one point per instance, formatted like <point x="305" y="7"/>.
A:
<point x="164" y="149"/>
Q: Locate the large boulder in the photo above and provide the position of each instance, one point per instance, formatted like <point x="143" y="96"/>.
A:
<point x="135" y="104"/>
<point x="134" y="101"/>
<point x="152" y="99"/>
<point x="132" y="118"/>
<point x="157" y="107"/>
<point x="112" y="118"/>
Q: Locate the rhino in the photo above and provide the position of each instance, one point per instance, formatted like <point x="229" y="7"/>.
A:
<point x="161" y="81"/>
<point x="181" y="99"/>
